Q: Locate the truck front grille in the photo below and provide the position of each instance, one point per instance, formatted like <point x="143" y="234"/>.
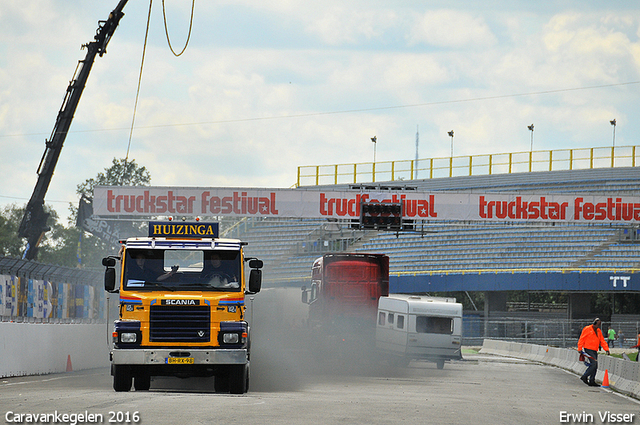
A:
<point x="180" y="324"/>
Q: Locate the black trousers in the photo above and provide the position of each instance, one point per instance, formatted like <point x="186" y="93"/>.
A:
<point x="590" y="373"/>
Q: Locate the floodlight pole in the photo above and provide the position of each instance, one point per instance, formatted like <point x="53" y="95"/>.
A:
<point x="613" y="123"/>
<point x="374" y="139"/>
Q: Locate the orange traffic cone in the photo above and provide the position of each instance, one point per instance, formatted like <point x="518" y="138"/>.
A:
<point x="605" y="381"/>
<point x="69" y="367"/>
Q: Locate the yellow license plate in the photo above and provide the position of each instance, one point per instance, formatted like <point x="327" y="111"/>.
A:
<point x="180" y="360"/>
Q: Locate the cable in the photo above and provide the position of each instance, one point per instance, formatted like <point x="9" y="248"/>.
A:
<point x="166" y="30"/>
<point x="135" y="106"/>
<point x="345" y="111"/>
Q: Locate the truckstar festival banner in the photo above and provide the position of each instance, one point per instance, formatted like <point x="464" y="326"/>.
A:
<point x="307" y="203"/>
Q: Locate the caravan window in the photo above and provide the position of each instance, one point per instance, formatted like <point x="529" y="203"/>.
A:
<point x="434" y="325"/>
<point x="381" y="318"/>
<point x="390" y="318"/>
<point x="400" y="322"/>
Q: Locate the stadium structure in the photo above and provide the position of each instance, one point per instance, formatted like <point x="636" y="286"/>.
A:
<point x="488" y="259"/>
<point x="571" y="258"/>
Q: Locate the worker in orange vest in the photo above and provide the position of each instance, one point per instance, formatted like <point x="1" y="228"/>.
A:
<point x="638" y="347"/>
<point x="591" y="339"/>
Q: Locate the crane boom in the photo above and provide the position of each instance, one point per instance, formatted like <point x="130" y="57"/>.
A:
<point x="34" y="221"/>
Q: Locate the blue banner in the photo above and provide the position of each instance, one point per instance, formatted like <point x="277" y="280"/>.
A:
<point x="569" y="281"/>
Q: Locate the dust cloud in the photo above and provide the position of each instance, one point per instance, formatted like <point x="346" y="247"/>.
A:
<point x="287" y="354"/>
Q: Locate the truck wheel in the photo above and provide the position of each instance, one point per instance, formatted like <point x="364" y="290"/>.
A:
<point x="238" y="381"/>
<point x="121" y="378"/>
<point x="142" y="381"/>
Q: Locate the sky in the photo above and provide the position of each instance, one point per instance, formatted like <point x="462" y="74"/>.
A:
<point x="265" y="87"/>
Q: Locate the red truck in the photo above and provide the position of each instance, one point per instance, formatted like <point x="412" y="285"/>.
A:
<point x="343" y="302"/>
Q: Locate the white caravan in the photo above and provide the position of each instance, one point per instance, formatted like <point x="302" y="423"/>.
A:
<point x="419" y="327"/>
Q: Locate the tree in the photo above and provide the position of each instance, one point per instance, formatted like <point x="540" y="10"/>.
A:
<point x="121" y="173"/>
<point x="68" y="245"/>
<point x="53" y="244"/>
<point x="89" y="248"/>
<point x="10" y="244"/>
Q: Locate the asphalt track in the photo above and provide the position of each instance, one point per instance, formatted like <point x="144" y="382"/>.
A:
<point x="479" y="390"/>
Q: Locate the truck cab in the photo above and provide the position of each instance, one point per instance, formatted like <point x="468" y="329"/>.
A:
<point x="343" y="299"/>
<point x="182" y="307"/>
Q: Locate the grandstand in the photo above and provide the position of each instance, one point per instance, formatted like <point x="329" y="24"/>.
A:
<point x="289" y="247"/>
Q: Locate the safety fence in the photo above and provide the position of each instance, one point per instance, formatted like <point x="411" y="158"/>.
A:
<point x="620" y="374"/>
<point x="552" y="331"/>
<point x="40" y="293"/>
<point x="455" y="166"/>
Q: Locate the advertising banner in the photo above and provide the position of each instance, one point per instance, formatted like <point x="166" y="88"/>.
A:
<point x="110" y="201"/>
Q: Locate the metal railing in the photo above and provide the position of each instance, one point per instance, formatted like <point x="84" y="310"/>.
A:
<point x="556" y="332"/>
<point x="513" y="270"/>
<point x="499" y="163"/>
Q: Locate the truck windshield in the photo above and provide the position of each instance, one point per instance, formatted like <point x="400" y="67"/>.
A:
<point x="182" y="270"/>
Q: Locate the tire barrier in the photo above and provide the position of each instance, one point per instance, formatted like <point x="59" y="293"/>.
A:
<point x="34" y="292"/>
<point x="624" y="375"/>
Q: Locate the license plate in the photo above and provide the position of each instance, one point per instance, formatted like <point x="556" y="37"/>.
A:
<point x="180" y="360"/>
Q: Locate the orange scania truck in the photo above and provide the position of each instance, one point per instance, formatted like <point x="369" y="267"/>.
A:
<point x="182" y="306"/>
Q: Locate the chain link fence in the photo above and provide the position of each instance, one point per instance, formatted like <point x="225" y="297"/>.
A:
<point x="556" y="333"/>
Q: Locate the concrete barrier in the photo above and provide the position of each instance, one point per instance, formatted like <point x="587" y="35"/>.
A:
<point x="624" y="375"/>
<point x="41" y="348"/>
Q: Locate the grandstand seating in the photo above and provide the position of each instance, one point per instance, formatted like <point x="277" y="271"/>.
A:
<point x="289" y="247"/>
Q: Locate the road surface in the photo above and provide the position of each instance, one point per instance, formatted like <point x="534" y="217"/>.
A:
<point x="478" y="390"/>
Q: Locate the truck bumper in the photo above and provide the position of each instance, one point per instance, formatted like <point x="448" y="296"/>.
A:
<point x="145" y="356"/>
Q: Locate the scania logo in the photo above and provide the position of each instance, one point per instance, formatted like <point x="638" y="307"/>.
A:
<point x="180" y="302"/>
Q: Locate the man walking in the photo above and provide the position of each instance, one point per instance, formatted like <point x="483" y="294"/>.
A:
<point x="591" y="339"/>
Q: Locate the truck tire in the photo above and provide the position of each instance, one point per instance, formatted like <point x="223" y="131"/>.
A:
<point x="142" y="381"/>
<point x="238" y="378"/>
<point x="440" y="363"/>
<point x="122" y="378"/>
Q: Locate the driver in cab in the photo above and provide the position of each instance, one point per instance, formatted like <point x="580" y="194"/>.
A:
<point x="217" y="274"/>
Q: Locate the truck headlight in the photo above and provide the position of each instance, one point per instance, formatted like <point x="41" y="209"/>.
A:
<point x="128" y="337"/>
<point x="233" y="338"/>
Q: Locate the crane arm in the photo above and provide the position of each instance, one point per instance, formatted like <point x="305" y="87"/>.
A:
<point x="34" y="221"/>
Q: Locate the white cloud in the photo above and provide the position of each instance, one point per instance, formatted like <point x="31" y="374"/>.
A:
<point x="591" y="48"/>
<point x="217" y="115"/>
<point x="341" y="24"/>
<point x="452" y="29"/>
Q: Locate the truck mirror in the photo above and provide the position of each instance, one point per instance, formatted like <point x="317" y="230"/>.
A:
<point x="109" y="279"/>
<point x="255" y="263"/>
<point x="109" y="262"/>
<point x="255" y="281"/>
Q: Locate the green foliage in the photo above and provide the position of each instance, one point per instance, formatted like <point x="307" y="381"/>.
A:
<point x="10" y="244"/>
<point x="51" y="246"/>
<point x="68" y="245"/>
<point x="121" y="173"/>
